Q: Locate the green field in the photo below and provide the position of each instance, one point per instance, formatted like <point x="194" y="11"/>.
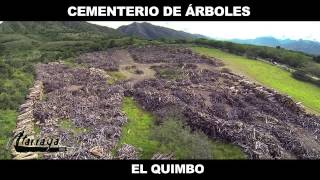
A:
<point x="143" y="134"/>
<point x="7" y="124"/>
<point x="270" y="76"/>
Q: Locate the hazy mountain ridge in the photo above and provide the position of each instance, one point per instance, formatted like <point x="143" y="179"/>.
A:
<point x="306" y="46"/>
<point x="40" y="27"/>
<point x="150" y="31"/>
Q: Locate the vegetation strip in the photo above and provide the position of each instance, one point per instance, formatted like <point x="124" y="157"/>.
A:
<point x="7" y="123"/>
<point x="170" y="137"/>
<point x="138" y="130"/>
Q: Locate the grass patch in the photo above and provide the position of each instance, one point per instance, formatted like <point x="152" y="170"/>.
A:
<point x="44" y="97"/>
<point x="71" y="63"/>
<point x="7" y="124"/>
<point x="37" y="130"/>
<point x="68" y="125"/>
<point x="115" y="76"/>
<point x="138" y="130"/>
<point x="226" y="151"/>
<point x="270" y="76"/>
<point x="175" y="136"/>
<point x="170" y="137"/>
<point x="172" y="74"/>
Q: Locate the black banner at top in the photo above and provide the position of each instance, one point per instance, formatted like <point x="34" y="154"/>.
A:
<point x="161" y="10"/>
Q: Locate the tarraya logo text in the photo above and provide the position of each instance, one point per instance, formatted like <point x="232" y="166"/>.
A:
<point x="24" y="143"/>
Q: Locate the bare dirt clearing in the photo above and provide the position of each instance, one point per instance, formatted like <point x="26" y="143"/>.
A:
<point x="169" y="80"/>
<point x="130" y="68"/>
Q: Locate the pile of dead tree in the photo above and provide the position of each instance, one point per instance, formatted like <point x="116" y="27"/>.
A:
<point x="105" y="60"/>
<point x="265" y="123"/>
<point x="82" y="97"/>
<point x="127" y="152"/>
<point x="26" y="121"/>
<point x="166" y="54"/>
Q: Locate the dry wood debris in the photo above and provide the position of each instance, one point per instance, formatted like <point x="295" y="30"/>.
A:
<point x="225" y="106"/>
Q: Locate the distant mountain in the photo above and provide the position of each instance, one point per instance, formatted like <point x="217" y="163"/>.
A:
<point x="38" y="27"/>
<point x="306" y="46"/>
<point x="150" y="31"/>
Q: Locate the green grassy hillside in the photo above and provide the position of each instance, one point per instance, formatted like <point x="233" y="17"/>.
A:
<point x="55" y="27"/>
<point x="269" y="75"/>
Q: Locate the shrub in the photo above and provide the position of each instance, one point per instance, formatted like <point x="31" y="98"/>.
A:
<point x="301" y="75"/>
<point x="168" y="73"/>
<point x="178" y="138"/>
<point x="316" y="59"/>
<point x="312" y="68"/>
<point x="225" y="70"/>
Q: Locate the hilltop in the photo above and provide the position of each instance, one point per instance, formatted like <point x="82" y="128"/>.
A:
<point x="150" y="31"/>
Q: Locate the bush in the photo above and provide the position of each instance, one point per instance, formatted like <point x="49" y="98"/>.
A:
<point x="312" y="68"/>
<point x="2" y="48"/>
<point x="301" y="75"/>
<point x="316" y="59"/>
<point x="5" y="70"/>
<point x="178" y="138"/>
<point x="167" y="73"/>
<point x="225" y="70"/>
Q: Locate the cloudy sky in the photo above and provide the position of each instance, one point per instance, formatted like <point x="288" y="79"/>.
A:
<point x="243" y="30"/>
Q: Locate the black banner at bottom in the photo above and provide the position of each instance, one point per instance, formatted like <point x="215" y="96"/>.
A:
<point x="140" y="168"/>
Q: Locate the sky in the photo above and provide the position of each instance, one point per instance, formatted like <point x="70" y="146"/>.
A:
<point x="238" y="29"/>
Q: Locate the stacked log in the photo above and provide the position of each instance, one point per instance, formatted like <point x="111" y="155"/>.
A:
<point x="127" y="152"/>
<point x="92" y="108"/>
<point x="165" y="54"/>
<point x="26" y="120"/>
<point x="263" y="122"/>
<point x="160" y="156"/>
